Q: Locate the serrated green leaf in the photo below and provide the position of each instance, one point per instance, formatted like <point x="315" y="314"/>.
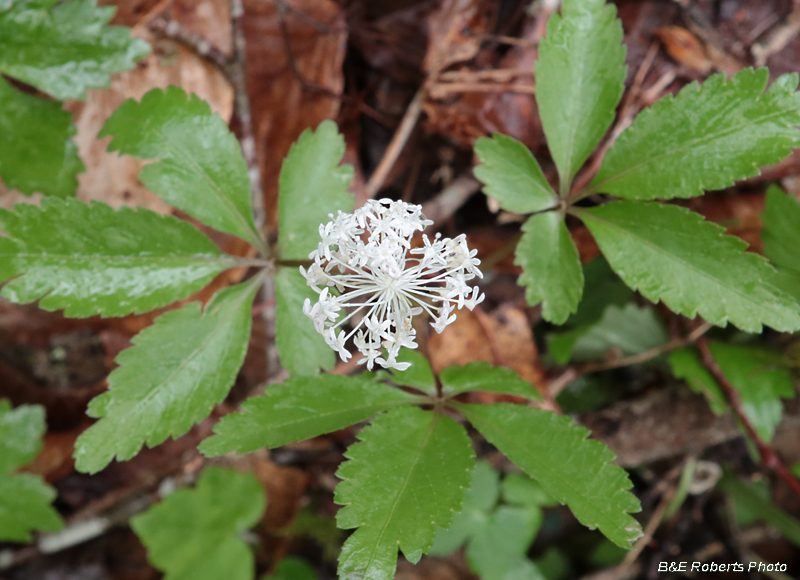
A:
<point x="25" y="505"/>
<point x="551" y="267"/>
<point x="90" y="259"/>
<point x="24" y="499"/>
<point x="195" y="534"/>
<point x="419" y="375"/>
<point x="781" y="239"/>
<point x="312" y="185"/>
<point x="686" y="365"/>
<point x="302" y="349"/>
<point x="21" y="431"/>
<point x="572" y="469"/>
<point x="36" y="152"/>
<point x="481" y="376"/>
<point x="512" y="176"/>
<point x="301" y="408"/>
<point x="760" y="381"/>
<point x="66" y="48"/>
<point x="406" y="476"/>
<point x="671" y="254"/>
<point x="580" y="76"/>
<point x="631" y="329"/>
<point x="707" y="137"/>
<point x="199" y="165"/>
<point x="173" y="376"/>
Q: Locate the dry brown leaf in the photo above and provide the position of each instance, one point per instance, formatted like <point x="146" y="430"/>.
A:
<point x="455" y="32"/>
<point x="516" y="347"/>
<point x="282" y="108"/>
<point x="462" y="342"/>
<point x="685" y="48"/>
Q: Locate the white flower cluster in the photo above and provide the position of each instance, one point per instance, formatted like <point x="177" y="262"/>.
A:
<point x="366" y="256"/>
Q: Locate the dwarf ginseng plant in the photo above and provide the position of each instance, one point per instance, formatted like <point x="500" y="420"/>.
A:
<point x="408" y="472"/>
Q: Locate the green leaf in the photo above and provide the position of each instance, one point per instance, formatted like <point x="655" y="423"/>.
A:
<point x="199" y="165"/>
<point x="782" y="239"/>
<point x="760" y="382"/>
<point x="406" y="476"/>
<point x="25" y="505"/>
<point x="671" y="254"/>
<point x="90" y="259"/>
<point x="312" y="185"/>
<point x="522" y="490"/>
<point x="481" y="376"/>
<point x="606" y="289"/>
<point x="173" y="376"/>
<point x="66" y="48"/>
<point x="291" y="568"/>
<point x="551" y="267"/>
<point x="686" y="364"/>
<point x="302" y="349"/>
<point x="21" y="432"/>
<point x="301" y="408"/>
<point x="707" y="137"/>
<point x="36" y="152"/>
<point x="572" y="469"/>
<point x="747" y="498"/>
<point x="512" y="176"/>
<point x="195" y="534"/>
<point x="24" y="499"/>
<point x="580" y="76"/>
<point x="419" y="375"/>
<point x="631" y="329"/>
<point x="497" y="550"/>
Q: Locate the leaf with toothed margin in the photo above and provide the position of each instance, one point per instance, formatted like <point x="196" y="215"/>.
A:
<point x="199" y="167"/>
<point x="299" y="409"/>
<point x="406" y="476"/>
<point x="172" y="377"/>
<point x="90" y="259"/>
<point x="671" y="254"/>
<point x="25" y="500"/>
<point x="64" y="48"/>
<point x="706" y="137"/>
<point x="572" y="469"/>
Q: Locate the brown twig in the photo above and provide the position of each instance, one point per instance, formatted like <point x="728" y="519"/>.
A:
<point x="769" y="458"/>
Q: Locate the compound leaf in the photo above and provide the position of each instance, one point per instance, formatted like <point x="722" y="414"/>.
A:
<point x="512" y="176"/>
<point x="66" y="48"/>
<point x="199" y="165"/>
<point x="24" y="499"/>
<point x="406" y="476"/>
<point x="312" y="185"/>
<point x="36" y="152"/>
<point x="671" y="254"/>
<point x="572" y="469"/>
<point x="419" y="375"/>
<point x="195" y="534"/>
<point x="498" y="548"/>
<point x="580" y="76"/>
<point x="302" y="349"/>
<point x="90" y="259"/>
<point x="481" y="376"/>
<point x="707" y="137"/>
<point x="301" y="408"/>
<point x="760" y="381"/>
<point x="172" y="377"/>
<point x="551" y="267"/>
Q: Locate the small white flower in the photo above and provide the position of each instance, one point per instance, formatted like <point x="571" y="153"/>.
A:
<point x="367" y="257"/>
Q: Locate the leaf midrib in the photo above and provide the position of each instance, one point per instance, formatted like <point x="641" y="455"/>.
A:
<point x="689" y="144"/>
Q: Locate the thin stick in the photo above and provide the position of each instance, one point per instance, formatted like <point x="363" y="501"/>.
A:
<point x="769" y="458"/>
